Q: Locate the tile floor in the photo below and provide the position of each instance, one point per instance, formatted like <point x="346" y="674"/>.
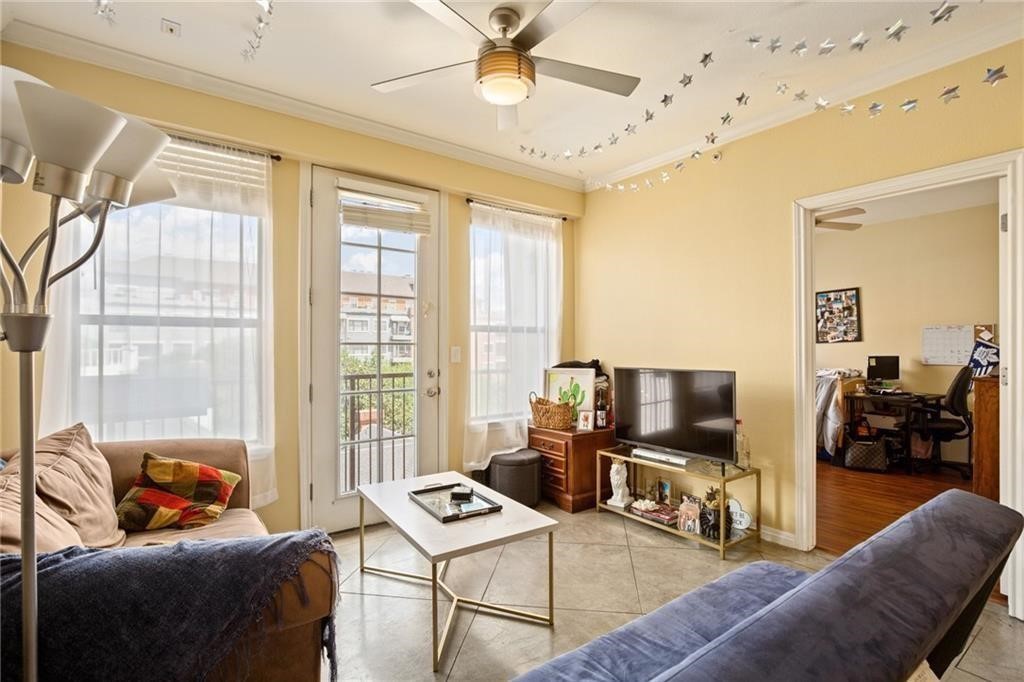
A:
<point x="608" y="571"/>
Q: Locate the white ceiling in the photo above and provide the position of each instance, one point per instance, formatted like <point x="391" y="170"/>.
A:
<point x="328" y="53"/>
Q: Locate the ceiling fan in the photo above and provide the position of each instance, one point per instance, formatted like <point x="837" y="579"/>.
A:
<point x="827" y="220"/>
<point x="506" y="72"/>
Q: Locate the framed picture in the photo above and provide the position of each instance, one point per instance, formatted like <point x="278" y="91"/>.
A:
<point x="574" y="386"/>
<point x="586" y="421"/>
<point x="664" y="491"/>
<point x="689" y="514"/>
<point x="837" y="315"/>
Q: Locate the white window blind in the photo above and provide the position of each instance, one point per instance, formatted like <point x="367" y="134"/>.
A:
<point x="384" y="213"/>
<point x="169" y="332"/>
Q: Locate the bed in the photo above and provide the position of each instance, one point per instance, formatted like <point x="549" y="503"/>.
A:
<point x="831" y="385"/>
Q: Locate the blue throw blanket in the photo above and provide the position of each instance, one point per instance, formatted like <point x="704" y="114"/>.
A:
<point x="170" y="612"/>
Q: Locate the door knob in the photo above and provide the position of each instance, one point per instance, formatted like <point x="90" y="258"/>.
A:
<point x="431" y="373"/>
<point x="433" y="392"/>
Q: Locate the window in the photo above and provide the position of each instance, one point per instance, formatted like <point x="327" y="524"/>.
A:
<point x="170" y="324"/>
<point x="515" y="309"/>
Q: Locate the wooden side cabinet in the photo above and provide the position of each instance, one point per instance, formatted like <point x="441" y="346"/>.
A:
<point x="568" y="468"/>
<point x="986" y="438"/>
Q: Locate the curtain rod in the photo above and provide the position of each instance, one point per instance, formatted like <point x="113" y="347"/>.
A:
<point x="174" y="132"/>
<point x="471" y="201"/>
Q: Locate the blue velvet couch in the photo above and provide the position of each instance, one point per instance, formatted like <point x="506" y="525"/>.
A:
<point x="912" y="592"/>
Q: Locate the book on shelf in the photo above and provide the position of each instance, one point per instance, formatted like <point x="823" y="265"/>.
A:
<point x="663" y="513"/>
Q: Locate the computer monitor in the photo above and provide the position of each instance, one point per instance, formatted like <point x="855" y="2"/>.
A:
<point x="883" y="367"/>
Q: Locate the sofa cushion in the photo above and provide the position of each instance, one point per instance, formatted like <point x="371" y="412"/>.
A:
<point x="175" y="492"/>
<point x="647" y="646"/>
<point x="233" y="523"/>
<point x="73" y="479"/>
<point x="52" y="531"/>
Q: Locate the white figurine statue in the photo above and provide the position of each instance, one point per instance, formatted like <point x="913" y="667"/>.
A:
<point x="620" y="491"/>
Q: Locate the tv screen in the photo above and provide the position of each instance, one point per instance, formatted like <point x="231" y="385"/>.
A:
<point x="686" y="412"/>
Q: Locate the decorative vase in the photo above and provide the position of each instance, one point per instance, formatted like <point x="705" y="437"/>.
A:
<point x="711" y="517"/>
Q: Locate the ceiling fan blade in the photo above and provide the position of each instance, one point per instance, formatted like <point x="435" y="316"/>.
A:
<point x="412" y="79"/>
<point x="453" y="20"/>
<point x="508" y="117"/>
<point x="844" y="213"/>
<point x="849" y="227"/>
<point x="609" y="81"/>
<point x="554" y="16"/>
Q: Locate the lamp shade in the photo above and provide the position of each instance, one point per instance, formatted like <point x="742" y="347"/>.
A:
<point x="152" y="185"/>
<point x="16" y="150"/>
<point x="66" y="130"/>
<point x="132" y="150"/>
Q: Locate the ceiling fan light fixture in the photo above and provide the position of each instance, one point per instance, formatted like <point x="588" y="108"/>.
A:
<point x="505" y="75"/>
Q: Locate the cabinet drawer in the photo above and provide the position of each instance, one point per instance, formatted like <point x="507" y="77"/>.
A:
<point x="553" y="480"/>
<point x="544" y="444"/>
<point x="554" y="465"/>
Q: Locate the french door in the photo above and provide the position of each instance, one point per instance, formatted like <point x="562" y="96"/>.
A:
<point x="374" y="339"/>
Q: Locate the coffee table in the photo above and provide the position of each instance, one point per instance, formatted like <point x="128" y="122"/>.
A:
<point x="439" y="542"/>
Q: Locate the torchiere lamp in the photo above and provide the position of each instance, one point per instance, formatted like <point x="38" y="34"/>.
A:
<point x="92" y="157"/>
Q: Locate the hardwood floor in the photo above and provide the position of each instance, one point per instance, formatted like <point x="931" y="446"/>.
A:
<point x="854" y="505"/>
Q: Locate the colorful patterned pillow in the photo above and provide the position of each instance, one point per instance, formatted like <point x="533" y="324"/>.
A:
<point x="175" y="492"/>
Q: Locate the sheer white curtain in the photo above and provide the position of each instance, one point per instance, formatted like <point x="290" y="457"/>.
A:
<point x="168" y="332"/>
<point x="514" y="326"/>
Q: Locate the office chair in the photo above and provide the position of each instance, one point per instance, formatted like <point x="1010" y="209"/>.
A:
<point x="931" y="424"/>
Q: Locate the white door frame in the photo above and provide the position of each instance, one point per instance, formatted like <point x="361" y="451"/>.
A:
<point x="305" y="222"/>
<point x="1009" y="165"/>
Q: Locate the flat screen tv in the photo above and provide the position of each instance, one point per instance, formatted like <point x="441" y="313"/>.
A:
<point x="686" y="413"/>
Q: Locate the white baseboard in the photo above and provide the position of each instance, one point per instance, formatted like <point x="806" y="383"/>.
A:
<point x="779" y="537"/>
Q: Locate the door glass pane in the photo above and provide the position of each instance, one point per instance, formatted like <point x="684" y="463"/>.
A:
<point x="377" y="346"/>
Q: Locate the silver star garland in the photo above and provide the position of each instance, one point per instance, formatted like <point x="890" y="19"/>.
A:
<point x="613" y="140"/>
<point x="875" y="109"/>
<point x="774" y="45"/>
<point x="754" y="41"/>
<point x="650" y="185"/>
<point x="909" y="105"/>
<point x="949" y="94"/>
<point x="859" y="41"/>
<point x="820" y="104"/>
<point x="780" y="88"/>
<point x="743" y="99"/>
<point x="896" y="31"/>
<point x="679" y="166"/>
<point x="711" y="138"/>
<point x="686" y="79"/>
<point x="800" y="96"/>
<point x="826" y="47"/>
<point x="633" y="187"/>
<point x="800" y="48"/>
<point x="631" y="129"/>
<point x="598" y="148"/>
<point x="993" y="76"/>
<point x="727" y="119"/>
<point x="105" y="10"/>
<point x="582" y="152"/>
<point x="665" y="177"/>
<point x="943" y="12"/>
<point x="706" y="60"/>
<point x="696" y="154"/>
<point x="847" y="109"/>
<point x="648" y="115"/>
<point x="666" y="100"/>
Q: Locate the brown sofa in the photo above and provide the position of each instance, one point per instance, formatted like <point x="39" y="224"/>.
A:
<point x="288" y="646"/>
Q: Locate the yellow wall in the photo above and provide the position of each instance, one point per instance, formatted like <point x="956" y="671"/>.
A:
<point x="935" y="269"/>
<point x="23" y="212"/>
<point x="699" y="272"/>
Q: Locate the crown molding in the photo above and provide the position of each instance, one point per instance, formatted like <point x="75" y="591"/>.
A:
<point x="932" y="60"/>
<point x="79" y="49"/>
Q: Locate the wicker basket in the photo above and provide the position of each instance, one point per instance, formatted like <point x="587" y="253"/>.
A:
<point x="550" y="415"/>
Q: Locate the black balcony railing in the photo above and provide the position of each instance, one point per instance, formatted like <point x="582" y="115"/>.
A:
<point x="377" y="427"/>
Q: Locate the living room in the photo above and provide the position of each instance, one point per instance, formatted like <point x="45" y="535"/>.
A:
<point x="666" y="228"/>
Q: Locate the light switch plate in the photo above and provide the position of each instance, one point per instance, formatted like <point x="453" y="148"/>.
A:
<point x="455" y="355"/>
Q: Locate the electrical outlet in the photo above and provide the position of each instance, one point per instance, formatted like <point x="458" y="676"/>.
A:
<point x="171" y="28"/>
<point x="455" y="355"/>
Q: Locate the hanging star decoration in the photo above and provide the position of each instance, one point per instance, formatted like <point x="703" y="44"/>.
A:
<point x="608" y="188"/>
<point x="522" y="149"/>
<point x="859" y="41"/>
<point x="686" y="79"/>
<point x="533" y="151"/>
<point x="847" y="109"/>
<point x="665" y="177"/>
<point x="696" y="154"/>
<point x="706" y="60"/>
<point x="620" y="187"/>
<point x="613" y="140"/>
<point x="582" y="152"/>
<point x="800" y="48"/>
<point x="711" y="138"/>
<point x="543" y="155"/>
<point x="943" y="12"/>
<point x="800" y="96"/>
<point x="650" y="185"/>
<point x="754" y="41"/>
<point x="567" y="154"/>
<point x="820" y="104"/>
<point x="780" y="88"/>
<point x="950" y="94"/>
<point x="875" y="109"/>
<point x="775" y="44"/>
<point x="909" y="105"/>
<point x="666" y="100"/>
<point x="826" y="47"/>
<point x="648" y="115"/>
<point x="631" y="129"/>
<point x="993" y="76"/>
<point x="743" y="99"/>
<point x="727" y="119"/>
<point x="679" y="166"/>
<point x="598" y="148"/>
<point x="896" y="31"/>
<point x="633" y="187"/>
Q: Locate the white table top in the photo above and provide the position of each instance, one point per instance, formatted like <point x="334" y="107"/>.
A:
<point x="438" y="541"/>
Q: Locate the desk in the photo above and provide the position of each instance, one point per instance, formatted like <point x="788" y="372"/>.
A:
<point x="900" y="403"/>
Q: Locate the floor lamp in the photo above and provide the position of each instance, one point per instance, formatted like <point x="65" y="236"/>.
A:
<point x="95" y="159"/>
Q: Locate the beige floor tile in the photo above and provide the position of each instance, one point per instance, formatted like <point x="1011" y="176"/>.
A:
<point x="595" y="577"/>
<point x="468" y="575"/>
<point x="997" y="652"/>
<point x="388" y="638"/>
<point x="954" y="674"/>
<point x="663" y="573"/>
<point x="585" y="527"/>
<point x="642" y="535"/>
<point x="502" y="648"/>
<point x="814" y="560"/>
<point x="347" y="546"/>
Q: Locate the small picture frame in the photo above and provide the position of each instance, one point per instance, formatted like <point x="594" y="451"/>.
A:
<point x="586" y="421"/>
<point x="664" y="491"/>
<point x="689" y="514"/>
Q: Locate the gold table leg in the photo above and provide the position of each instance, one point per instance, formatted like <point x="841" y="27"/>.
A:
<point x="551" y="578"/>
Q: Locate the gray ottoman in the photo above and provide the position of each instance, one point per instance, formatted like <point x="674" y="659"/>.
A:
<point x="517" y="475"/>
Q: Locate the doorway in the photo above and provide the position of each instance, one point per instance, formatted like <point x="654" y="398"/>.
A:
<point x="1007" y="167"/>
<point x="374" y="364"/>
